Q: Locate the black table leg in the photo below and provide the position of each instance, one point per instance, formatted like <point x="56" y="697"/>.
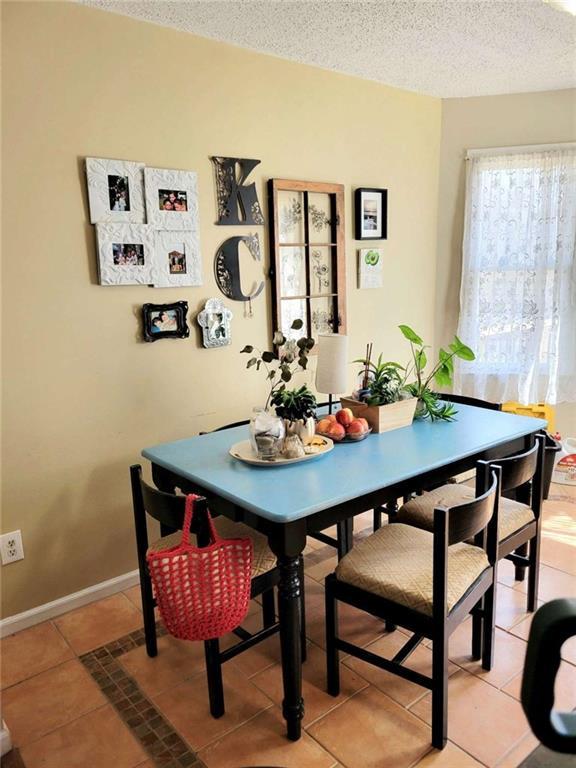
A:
<point x="289" y="597"/>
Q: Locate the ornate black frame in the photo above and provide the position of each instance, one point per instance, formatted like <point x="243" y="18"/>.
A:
<point x="358" y="214"/>
<point x="181" y="332"/>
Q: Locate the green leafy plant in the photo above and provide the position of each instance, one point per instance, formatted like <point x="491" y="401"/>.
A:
<point x="294" y="404"/>
<point x="288" y="356"/>
<point x="382" y="382"/>
<point x="429" y="403"/>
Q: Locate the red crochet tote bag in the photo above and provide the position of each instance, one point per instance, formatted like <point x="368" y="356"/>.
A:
<point x="202" y="592"/>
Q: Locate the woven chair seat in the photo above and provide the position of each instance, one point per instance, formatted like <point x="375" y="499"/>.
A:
<point x="395" y="562"/>
<point x="420" y="511"/>
<point x="263" y="559"/>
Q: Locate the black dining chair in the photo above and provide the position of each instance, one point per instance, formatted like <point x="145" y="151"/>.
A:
<point x="168" y="510"/>
<point x="520" y="518"/>
<point x="425" y="582"/>
<point x="391" y="508"/>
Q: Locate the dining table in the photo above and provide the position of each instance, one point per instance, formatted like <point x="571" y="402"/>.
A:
<point x="288" y="503"/>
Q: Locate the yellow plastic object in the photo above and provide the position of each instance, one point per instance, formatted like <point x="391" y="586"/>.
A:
<point x="538" y="410"/>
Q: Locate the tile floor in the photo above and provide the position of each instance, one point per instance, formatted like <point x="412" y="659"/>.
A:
<point x="80" y="692"/>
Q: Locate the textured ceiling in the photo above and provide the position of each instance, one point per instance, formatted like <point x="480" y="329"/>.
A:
<point x="443" y="48"/>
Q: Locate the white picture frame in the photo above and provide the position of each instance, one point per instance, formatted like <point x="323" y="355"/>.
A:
<point x="177" y="260"/>
<point x="115" y="191"/>
<point x="179" y="189"/>
<point x="370" y="272"/>
<point x="125" y="254"/>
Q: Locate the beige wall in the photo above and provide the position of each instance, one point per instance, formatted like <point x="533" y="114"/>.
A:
<point x="488" y="121"/>
<point x="83" y="395"/>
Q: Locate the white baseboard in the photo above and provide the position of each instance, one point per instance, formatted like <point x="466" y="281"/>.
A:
<point x="19" y="621"/>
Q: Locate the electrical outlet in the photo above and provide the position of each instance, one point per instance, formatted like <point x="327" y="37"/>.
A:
<point x="11" y="547"/>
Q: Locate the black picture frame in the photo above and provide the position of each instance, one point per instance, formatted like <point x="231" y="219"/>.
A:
<point x="153" y="330"/>
<point x="363" y="219"/>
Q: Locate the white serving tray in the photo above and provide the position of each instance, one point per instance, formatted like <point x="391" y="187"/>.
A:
<point x="243" y="452"/>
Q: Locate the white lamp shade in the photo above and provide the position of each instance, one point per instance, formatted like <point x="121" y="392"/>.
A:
<point x="332" y="365"/>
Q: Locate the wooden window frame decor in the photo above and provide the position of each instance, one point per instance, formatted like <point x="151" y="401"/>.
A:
<point x="335" y="244"/>
<point x="381" y="231"/>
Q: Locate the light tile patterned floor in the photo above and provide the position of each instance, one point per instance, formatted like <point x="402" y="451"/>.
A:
<point x="73" y="697"/>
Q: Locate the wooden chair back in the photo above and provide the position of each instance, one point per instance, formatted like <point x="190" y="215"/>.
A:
<point x="228" y="426"/>
<point x="522" y="468"/>
<point x="464" y="521"/>
<point x="463" y="400"/>
<point x="166" y="508"/>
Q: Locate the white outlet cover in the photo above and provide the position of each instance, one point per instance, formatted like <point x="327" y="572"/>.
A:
<point x="11" y="549"/>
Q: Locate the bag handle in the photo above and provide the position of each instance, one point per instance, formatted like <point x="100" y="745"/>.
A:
<point x="191" y="498"/>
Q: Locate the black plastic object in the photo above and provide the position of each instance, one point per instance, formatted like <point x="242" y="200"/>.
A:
<point x="553" y="624"/>
<point x="551" y="448"/>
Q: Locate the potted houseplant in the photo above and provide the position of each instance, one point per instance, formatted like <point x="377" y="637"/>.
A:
<point x="429" y="403"/>
<point x="267" y="429"/>
<point x="381" y="399"/>
<point x="298" y="408"/>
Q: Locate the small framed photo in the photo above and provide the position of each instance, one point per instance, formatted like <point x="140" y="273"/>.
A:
<point x="171" y="199"/>
<point x="125" y="254"/>
<point x="371" y="214"/>
<point x="176" y="259"/>
<point x="165" y="321"/>
<point x="115" y="190"/>
<point x="370" y="268"/>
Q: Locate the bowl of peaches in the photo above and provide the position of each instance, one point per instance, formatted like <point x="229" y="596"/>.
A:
<point x="343" y="427"/>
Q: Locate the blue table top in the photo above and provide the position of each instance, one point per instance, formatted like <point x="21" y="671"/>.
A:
<point x="287" y="493"/>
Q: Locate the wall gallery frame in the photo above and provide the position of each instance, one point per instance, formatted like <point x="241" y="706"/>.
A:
<point x="165" y="321"/>
<point x="215" y="321"/>
<point x="307" y="254"/>
<point x="125" y="254"/>
<point x="370" y="272"/>
<point x="115" y="190"/>
<point x="370" y="214"/>
<point x="177" y="259"/>
<point x="171" y="199"/>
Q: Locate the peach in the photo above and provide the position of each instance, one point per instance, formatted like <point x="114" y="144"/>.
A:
<point x="324" y="425"/>
<point x="337" y="431"/>
<point x="331" y="417"/>
<point x="356" y="428"/>
<point x="364" y="423"/>
<point x="344" y="417"/>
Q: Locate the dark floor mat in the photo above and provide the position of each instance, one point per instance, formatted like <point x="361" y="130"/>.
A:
<point x="542" y="757"/>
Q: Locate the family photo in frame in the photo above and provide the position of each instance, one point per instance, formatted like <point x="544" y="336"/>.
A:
<point x="165" y="321"/>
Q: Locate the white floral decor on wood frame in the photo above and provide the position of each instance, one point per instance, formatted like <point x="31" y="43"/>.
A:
<point x="171" y="199"/>
<point x="125" y="254"/>
<point x="177" y="259"/>
<point x="115" y="190"/>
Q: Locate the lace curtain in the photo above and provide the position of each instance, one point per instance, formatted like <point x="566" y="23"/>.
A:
<point x="518" y="291"/>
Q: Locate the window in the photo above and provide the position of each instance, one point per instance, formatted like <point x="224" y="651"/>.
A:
<point x="518" y="292"/>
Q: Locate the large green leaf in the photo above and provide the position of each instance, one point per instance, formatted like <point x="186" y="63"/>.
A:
<point x="411" y="335"/>
<point x="251" y="362"/>
<point x="421" y="359"/>
<point x="443" y="377"/>
<point x="461" y="350"/>
<point x="247" y="349"/>
<point x="447" y="359"/>
<point x="296" y="324"/>
<point x="268" y="357"/>
<point x="278" y="339"/>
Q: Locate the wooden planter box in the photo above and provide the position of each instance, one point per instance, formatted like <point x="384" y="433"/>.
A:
<point x="382" y="418"/>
